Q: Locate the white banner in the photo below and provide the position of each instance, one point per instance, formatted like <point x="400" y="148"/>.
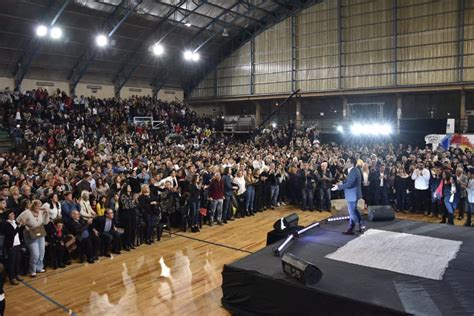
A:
<point x="450" y="126"/>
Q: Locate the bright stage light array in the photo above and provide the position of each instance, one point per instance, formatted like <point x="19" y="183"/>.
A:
<point x="189" y="55"/>
<point x="56" y="33"/>
<point x="371" y="129"/>
<point x="337" y="218"/>
<point x="158" y="49"/>
<point x="41" y="31"/>
<point x="101" y="40"/>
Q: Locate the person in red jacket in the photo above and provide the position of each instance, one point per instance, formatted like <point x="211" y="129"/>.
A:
<point x="216" y="196"/>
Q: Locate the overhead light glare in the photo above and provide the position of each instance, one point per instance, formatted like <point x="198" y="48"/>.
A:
<point x="41" y="31"/>
<point x="101" y="40"/>
<point x="56" y="33"/>
<point x="158" y="49"/>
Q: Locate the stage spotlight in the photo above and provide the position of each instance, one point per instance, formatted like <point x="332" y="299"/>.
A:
<point x="371" y="129"/>
<point x="187" y="23"/>
<point x="101" y="40"/>
<point x="56" y="33"/>
<point x="41" y="31"/>
<point x="188" y="55"/>
<point x="158" y="49"/>
<point x="340" y="129"/>
<point x="274" y="125"/>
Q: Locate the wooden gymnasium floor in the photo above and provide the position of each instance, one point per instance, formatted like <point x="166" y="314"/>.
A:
<point x="180" y="275"/>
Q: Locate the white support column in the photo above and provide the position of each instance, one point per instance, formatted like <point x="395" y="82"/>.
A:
<point x="399" y="111"/>
<point x="258" y="113"/>
<point x="346" y="115"/>
<point x="463" y="117"/>
<point x="299" y="117"/>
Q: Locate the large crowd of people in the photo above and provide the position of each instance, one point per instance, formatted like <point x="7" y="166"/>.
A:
<point x="85" y="180"/>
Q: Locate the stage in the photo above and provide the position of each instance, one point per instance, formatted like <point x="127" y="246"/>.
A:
<point x="256" y="284"/>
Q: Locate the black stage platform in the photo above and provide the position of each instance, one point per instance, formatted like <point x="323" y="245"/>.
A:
<point x="256" y="284"/>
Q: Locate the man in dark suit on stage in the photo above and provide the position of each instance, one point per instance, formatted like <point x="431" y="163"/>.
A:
<point x="352" y="193"/>
<point x="104" y="227"/>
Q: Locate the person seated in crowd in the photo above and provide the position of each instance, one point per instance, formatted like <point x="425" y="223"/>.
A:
<point x="87" y="212"/>
<point x="56" y="239"/>
<point x="100" y="206"/>
<point x="105" y="228"/>
<point x="87" y="244"/>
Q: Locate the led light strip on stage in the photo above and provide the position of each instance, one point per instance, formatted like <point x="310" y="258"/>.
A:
<point x="338" y="218"/>
<point x="278" y="251"/>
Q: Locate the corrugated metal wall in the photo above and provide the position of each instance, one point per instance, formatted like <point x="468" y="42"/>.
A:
<point x="367" y="55"/>
<point x="273" y="59"/>
<point x="468" y="47"/>
<point x="351" y="44"/>
<point x="317" y="48"/>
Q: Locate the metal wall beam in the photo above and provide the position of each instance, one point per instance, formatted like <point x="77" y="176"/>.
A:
<point x="293" y="53"/>
<point x="126" y="70"/>
<point x="279" y="15"/>
<point x="461" y="23"/>
<point x="113" y="22"/>
<point x="234" y="12"/>
<point x="204" y="16"/>
<point x="395" y="42"/>
<point x="216" y="19"/>
<point x="33" y="47"/>
<point x="339" y="43"/>
<point x="252" y="65"/>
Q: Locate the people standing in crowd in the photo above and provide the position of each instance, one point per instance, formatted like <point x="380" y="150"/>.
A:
<point x="34" y="220"/>
<point x="216" y="196"/>
<point x="250" y="192"/>
<point x="146" y="206"/>
<point x="462" y="180"/>
<point x="437" y="180"/>
<point x="239" y="182"/>
<point x="470" y="197"/>
<point x="273" y="180"/>
<point x="194" y="202"/>
<point x="228" y="194"/>
<point x="421" y="176"/>
<point x="128" y="215"/>
<point x="452" y="192"/>
<point x="12" y="247"/>
<point x="325" y="183"/>
<point x="307" y="185"/>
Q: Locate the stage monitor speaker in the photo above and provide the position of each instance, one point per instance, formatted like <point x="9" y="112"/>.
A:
<point x="381" y="213"/>
<point x="287" y="222"/>
<point x="300" y="269"/>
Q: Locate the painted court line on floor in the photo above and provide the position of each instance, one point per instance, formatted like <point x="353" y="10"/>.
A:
<point x="46" y="297"/>
<point x="212" y="243"/>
